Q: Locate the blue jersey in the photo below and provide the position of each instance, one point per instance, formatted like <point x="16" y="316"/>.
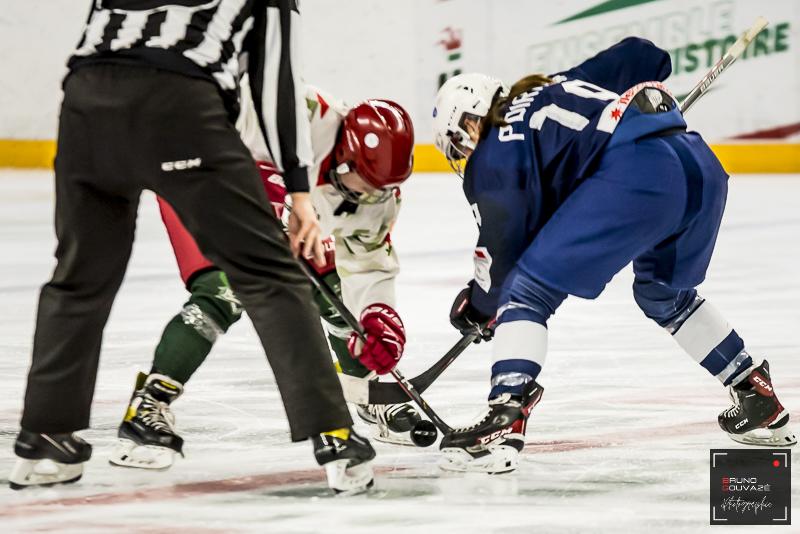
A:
<point x="519" y="174"/>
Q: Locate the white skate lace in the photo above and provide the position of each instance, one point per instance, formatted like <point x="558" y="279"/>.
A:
<point x="500" y="399"/>
<point x="384" y="413"/>
<point x="476" y="424"/>
<point x="155" y="414"/>
<point x="734" y="410"/>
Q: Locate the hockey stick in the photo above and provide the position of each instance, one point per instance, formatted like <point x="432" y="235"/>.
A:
<point x="353" y="323"/>
<point x="733" y="53"/>
<point x="363" y="391"/>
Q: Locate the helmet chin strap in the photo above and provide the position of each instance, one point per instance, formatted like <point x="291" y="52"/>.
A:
<point x="381" y="195"/>
<point x="457" y="164"/>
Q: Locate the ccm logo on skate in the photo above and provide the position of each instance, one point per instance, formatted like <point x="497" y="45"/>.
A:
<point x="181" y="164"/>
<point x="740" y="424"/>
<point x="494" y="435"/>
<point x="761" y="382"/>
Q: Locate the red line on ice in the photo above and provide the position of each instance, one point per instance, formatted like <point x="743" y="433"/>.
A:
<point x="176" y="491"/>
<point x="290" y="478"/>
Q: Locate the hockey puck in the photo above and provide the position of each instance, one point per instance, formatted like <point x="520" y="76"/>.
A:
<point x="424" y="434"/>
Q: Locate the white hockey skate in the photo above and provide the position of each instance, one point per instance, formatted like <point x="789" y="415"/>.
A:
<point x="492" y="460"/>
<point x="782" y="436"/>
<point x="147" y="438"/>
<point x="757" y="417"/>
<point x="348" y="480"/>
<point x="128" y="453"/>
<point x="44" y="472"/>
<point x="47" y="459"/>
<point x="390" y="423"/>
<point x="346" y="457"/>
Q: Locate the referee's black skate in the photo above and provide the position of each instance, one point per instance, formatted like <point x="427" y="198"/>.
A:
<point x="492" y="445"/>
<point x="47" y="459"/>
<point x="392" y="422"/>
<point x="757" y="417"/>
<point x="147" y="437"/>
<point x="346" y="457"/>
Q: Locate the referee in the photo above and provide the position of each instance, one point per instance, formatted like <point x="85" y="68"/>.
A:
<point x="149" y="103"/>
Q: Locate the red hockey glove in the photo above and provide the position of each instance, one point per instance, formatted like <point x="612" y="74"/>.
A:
<point x="273" y="185"/>
<point x="386" y="337"/>
<point x="466" y="319"/>
<point x="329" y="246"/>
<point x="276" y="192"/>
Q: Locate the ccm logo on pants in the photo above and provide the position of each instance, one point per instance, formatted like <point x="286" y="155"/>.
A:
<point x="181" y="164"/>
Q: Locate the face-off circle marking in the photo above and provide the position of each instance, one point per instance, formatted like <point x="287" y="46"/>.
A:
<point x="371" y="140"/>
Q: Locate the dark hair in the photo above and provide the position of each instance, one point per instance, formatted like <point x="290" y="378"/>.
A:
<point x="497" y="108"/>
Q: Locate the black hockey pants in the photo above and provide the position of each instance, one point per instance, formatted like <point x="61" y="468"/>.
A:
<point x="128" y="128"/>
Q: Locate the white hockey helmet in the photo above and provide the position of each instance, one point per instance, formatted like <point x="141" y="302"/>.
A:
<point x="461" y="97"/>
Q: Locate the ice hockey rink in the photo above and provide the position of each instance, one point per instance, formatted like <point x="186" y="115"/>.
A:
<point x="620" y="442"/>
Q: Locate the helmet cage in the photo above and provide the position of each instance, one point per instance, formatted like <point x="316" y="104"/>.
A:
<point x="378" y="196"/>
<point x="461" y="98"/>
<point x="459" y="142"/>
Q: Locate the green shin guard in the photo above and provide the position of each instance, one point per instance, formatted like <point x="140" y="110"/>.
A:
<point x="181" y="351"/>
<point x="187" y="339"/>
<point x="338" y="330"/>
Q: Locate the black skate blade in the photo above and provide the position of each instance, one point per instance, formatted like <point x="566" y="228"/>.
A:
<point x="509" y="468"/>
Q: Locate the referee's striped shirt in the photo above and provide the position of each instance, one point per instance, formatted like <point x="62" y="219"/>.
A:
<point x="217" y="39"/>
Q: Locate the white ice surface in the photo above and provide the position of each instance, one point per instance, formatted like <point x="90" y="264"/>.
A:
<point x="620" y="442"/>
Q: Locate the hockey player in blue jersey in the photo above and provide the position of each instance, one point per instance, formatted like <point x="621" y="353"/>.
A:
<point x="571" y="177"/>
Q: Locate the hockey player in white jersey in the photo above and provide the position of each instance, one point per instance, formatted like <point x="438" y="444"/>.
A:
<point x="361" y="155"/>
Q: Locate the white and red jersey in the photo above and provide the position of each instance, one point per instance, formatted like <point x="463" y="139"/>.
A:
<point x="365" y="258"/>
<point x="325" y="116"/>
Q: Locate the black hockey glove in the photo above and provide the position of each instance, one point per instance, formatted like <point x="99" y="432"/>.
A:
<point x="467" y="320"/>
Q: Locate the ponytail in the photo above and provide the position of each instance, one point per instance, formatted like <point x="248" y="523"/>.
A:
<point x="497" y="108"/>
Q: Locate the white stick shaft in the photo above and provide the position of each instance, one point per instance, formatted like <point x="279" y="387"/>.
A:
<point x="736" y="50"/>
<point x="741" y="43"/>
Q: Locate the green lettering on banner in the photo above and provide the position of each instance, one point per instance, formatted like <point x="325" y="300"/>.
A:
<point x="604" y="7"/>
<point x="781" y="37"/>
<point x="687" y="58"/>
<point x="676" y="61"/>
<point x="670" y="30"/>
<point x="727" y="43"/>
<point x="691" y="58"/>
<point x="709" y="46"/>
<point x="760" y="46"/>
<point x="695" y="36"/>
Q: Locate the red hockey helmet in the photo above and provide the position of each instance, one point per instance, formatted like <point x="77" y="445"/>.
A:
<point x="377" y="142"/>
